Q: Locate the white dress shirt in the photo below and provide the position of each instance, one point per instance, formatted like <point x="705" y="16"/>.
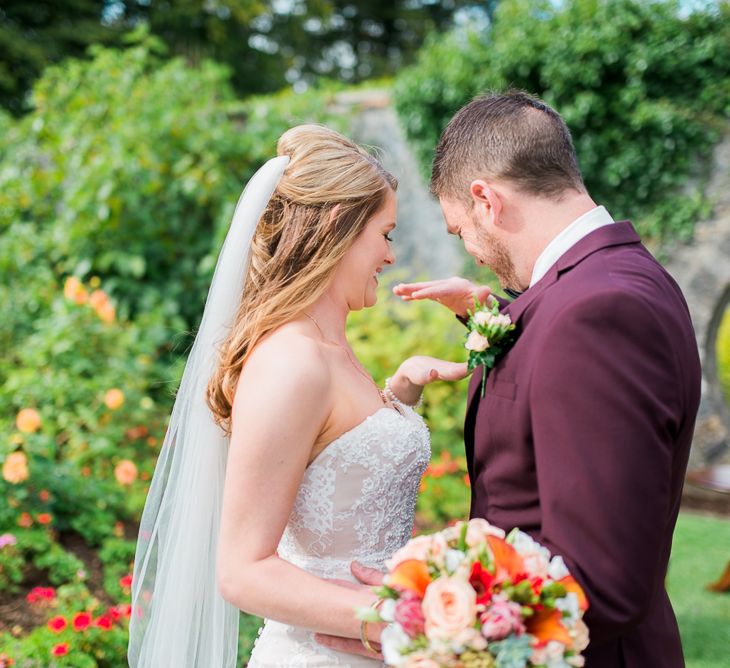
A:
<point x="571" y="235"/>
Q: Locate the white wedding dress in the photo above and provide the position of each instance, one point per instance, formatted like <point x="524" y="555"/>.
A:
<point x="356" y="502"/>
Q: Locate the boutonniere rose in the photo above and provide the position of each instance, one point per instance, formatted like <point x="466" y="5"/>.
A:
<point x="490" y="336"/>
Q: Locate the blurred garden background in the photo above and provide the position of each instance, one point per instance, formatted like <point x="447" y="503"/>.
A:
<point x="127" y="130"/>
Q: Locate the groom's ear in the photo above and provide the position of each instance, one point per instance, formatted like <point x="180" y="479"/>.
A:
<point x="486" y="200"/>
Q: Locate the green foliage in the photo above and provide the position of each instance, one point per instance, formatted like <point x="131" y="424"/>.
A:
<point x="101" y="641"/>
<point x="699" y="555"/>
<point x="644" y="90"/>
<point x="11" y="568"/>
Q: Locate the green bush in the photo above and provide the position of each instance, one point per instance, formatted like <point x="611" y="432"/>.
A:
<point x="129" y="168"/>
<point x="644" y="89"/>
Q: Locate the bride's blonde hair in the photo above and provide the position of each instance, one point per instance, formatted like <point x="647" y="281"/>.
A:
<point x="328" y="192"/>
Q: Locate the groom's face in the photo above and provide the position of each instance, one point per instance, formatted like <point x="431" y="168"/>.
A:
<point x="486" y="247"/>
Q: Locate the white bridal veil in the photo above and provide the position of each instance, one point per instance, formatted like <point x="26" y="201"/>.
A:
<point x="179" y="618"/>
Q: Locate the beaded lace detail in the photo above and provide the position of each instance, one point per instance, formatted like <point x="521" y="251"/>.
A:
<point x="356" y="502"/>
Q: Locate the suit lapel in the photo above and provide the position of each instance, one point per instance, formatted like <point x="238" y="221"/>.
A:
<point x="616" y="234"/>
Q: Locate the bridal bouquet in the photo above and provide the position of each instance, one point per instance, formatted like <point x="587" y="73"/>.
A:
<point x="490" y="335"/>
<point x="469" y="597"/>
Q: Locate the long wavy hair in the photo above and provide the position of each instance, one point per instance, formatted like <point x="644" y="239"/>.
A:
<point x="328" y="192"/>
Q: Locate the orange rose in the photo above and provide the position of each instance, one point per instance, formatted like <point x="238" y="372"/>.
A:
<point x="25" y="520"/>
<point x="71" y="288"/>
<point x="97" y="299"/>
<point x="44" y="518"/>
<point x="125" y="472"/>
<point x="106" y="313"/>
<point x="28" y="420"/>
<point x="114" y="399"/>
<point x="15" y="468"/>
<point x="449" y="606"/>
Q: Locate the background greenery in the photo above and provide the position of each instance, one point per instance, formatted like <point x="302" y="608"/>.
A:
<point x="644" y="89"/>
<point x="119" y="172"/>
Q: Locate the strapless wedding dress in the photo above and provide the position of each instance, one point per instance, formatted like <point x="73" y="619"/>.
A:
<point x="356" y="502"/>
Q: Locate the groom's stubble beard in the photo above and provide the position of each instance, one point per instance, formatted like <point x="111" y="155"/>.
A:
<point x="496" y="256"/>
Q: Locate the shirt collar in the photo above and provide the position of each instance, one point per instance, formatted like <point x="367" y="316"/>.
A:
<point x="567" y="238"/>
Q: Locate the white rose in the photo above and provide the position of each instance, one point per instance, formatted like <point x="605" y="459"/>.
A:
<point x="476" y="342"/>
<point x="453" y="559"/>
<point x="558" y="570"/>
<point x="482" y="317"/>
<point x="393" y="641"/>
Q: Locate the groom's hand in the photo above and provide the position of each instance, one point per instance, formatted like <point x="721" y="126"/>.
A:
<point x="455" y="293"/>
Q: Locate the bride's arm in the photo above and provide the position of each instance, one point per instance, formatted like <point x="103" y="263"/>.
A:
<point x="282" y="403"/>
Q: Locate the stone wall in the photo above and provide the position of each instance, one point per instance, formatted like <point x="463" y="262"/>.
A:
<point x="702" y="269"/>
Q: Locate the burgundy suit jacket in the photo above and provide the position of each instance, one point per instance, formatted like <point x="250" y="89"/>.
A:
<point x="583" y="436"/>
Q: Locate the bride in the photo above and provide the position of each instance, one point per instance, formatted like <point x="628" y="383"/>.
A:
<point x="283" y="461"/>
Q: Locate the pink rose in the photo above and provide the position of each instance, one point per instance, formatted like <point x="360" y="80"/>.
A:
<point x="449" y="606"/>
<point x="501" y="619"/>
<point x="409" y="615"/>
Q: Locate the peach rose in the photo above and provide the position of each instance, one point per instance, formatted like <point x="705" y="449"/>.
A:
<point x="114" y="399"/>
<point x="449" y="606"/>
<point x="28" y="420"/>
<point x="125" y="472"/>
<point x="106" y="313"/>
<point x="72" y="287"/>
<point x="416" y="548"/>
<point x="478" y="529"/>
<point x="15" y="468"/>
<point x="97" y="299"/>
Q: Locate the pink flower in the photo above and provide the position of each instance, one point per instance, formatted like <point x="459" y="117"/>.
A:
<point x="7" y="539"/>
<point x="409" y="615"/>
<point x="501" y="619"/>
<point x="57" y="624"/>
<point x="449" y="606"/>
<point x="81" y="621"/>
<point x="60" y="650"/>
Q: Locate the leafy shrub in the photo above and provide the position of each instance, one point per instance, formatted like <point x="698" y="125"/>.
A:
<point x="644" y="89"/>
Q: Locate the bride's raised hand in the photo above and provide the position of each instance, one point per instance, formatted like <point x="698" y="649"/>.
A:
<point x="414" y="373"/>
<point x="455" y="293"/>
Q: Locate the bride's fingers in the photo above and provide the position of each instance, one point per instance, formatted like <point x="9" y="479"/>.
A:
<point x="366" y="575"/>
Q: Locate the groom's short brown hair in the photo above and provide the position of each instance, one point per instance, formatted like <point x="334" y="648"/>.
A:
<point x="510" y="136"/>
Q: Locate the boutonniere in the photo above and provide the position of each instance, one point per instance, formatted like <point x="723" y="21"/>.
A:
<point x="490" y="336"/>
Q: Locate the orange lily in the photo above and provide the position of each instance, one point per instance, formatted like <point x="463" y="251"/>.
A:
<point x="507" y="561"/>
<point x="546" y="625"/>
<point x="411" y="574"/>
<point x="571" y="585"/>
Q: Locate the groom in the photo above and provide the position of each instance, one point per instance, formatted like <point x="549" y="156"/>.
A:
<point x="583" y="435"/>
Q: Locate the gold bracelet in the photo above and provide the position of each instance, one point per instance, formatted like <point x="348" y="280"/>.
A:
<point x="364" y="637"/>
<point x="364" y="629"/>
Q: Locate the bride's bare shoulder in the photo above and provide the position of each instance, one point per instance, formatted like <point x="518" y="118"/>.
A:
<point x="291" y="351"/>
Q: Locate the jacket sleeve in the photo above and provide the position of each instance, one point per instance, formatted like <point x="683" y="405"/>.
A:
<point x="605" y="407"/>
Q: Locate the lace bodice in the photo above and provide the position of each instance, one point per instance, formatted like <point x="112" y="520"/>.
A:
<point x="358" y="496"/>
<point x="356" y="501"/>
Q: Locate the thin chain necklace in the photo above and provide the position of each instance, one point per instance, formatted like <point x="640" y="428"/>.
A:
<point x="362" y="372"/>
